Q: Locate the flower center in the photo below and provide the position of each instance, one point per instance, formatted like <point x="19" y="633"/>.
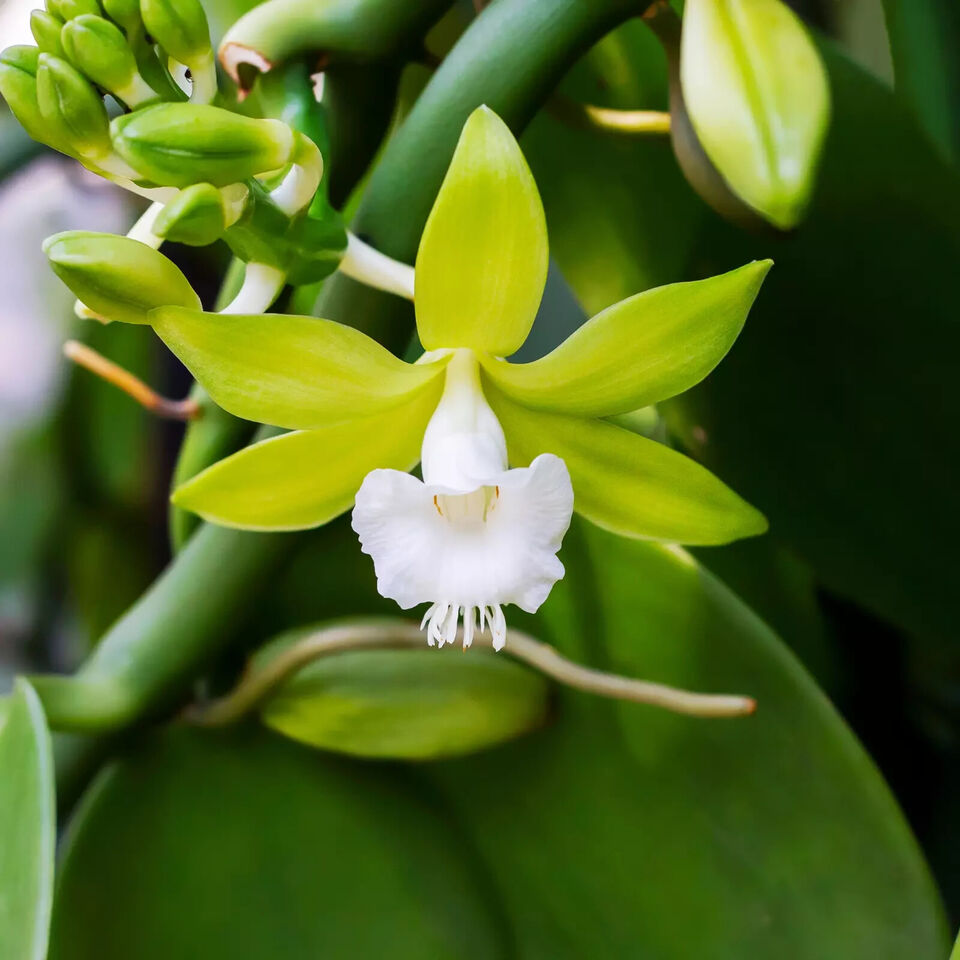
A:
<point x="473" y="507"/>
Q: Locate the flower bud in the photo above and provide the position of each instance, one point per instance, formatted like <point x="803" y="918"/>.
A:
<point x="126" y="14"/>
<point x="116" y="277"/>
<point x="72" y="108"/>
<point x="179" y="144"/>
<point x="755" y="107"/>
<point x="195" y="216"/>
<point x="180" y="27"/>
<point x="99" y="49"/>
<point x="408" y="704"/>
<point x="46" y="28"/>
<point x="18" y="87"/>
<point x="68" y="9"/>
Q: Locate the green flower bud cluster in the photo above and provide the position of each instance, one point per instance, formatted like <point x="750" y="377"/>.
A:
<point x="204" y="166"/>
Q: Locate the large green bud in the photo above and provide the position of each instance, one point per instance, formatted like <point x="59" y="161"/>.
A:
<point x="116" y="277"/>
<point x="46" y="28"/>
<point x="99" y="49"/>
<point x="72" y="108"/>
<point x="179" y="144"/>
<point x="18" y="87"/>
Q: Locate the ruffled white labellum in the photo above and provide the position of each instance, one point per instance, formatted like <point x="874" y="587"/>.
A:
<point x="473" y="535"/>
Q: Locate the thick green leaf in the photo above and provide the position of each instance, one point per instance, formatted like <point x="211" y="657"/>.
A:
<point x="405" y="704"/>
<point x="624" y="831"/>
<point x="482" y="261"/>
<point x="756" y="93"/>
<point x="244" y="847"/>
<point x="626" y="483"/>
<point x="304" y="479"/>
<point x="923" y="41"/>
<point x="644" y="349"/>
<point x="27" y="826"/>
<point x="296" y="372"/>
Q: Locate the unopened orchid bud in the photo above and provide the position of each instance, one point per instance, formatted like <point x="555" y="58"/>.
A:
<point x="68" y="9"/>
<point x="126" y="14"/>
<point x="116" y="277"/>
<point x="99" y="49"/>
<point x="195" y="216"/>
<point x="179" y="144"/>
<point x="180" y="27"/>
<point x="72" y="108"/>
<point x="46" y="28"/>
<point x="18" y="87"/>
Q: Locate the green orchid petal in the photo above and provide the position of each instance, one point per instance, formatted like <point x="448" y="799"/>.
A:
<point x="304" y="479"/>
<point x="301" y="373"/>
<point x="482" y="262"/>
<point x="627" y="484"/>
<point x="639" y="351"/>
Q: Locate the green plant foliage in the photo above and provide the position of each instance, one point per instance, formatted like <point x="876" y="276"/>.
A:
<point x="405" y="704"/>
<point x="246" y="846"/>
<point x="776" y="832"/>
<point x="27" y="826"/>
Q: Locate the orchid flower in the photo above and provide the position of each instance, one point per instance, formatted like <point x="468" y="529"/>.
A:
<point x="507" y="450"/>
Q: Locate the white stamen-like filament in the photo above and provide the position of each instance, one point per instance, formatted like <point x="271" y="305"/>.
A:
<point x="441" y="621"/>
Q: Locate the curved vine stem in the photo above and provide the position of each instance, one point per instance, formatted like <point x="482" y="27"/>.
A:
<point x="256" y="685"/>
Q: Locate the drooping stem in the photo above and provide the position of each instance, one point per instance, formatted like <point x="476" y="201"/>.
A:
<point x="257" y="685"/>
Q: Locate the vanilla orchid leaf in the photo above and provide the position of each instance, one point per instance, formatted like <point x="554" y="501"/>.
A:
<point x="639" y="351"/>
<point x="301" y="373"/>
<point x="27" y="826"/>
<point x="306" y="478"/>
<point x="629" y="484"/>
<point x="482" y="262"/>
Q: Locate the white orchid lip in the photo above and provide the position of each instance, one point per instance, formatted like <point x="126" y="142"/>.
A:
<point x="473" y="535"/>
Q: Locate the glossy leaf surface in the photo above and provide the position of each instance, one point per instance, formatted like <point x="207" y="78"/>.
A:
<point x="776" y="832"/>
<point x="482" y="261"/>
<point x="639" y="351"/>
<point x="242" y="847"/>
<point x="27" y="826"/>
<point x="296" y="372"/>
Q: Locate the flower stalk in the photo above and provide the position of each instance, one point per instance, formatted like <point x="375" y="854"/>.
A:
<point x="256" y="686"/>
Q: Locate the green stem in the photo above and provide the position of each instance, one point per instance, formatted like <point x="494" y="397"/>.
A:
<point x="511" y="57"/>
<point x="351" y="30"/>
